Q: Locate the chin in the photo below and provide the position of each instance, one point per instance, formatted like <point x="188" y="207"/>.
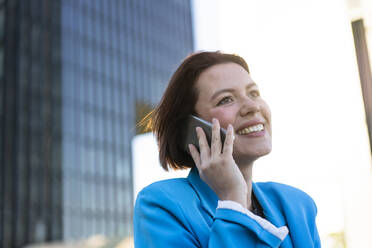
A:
<point x="251" y="155"/>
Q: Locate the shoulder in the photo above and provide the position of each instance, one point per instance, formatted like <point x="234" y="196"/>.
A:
<point x="166" y="193"/>
<point x="161" y="215"/>
<point x="170" y="187"/>
<point x="166" y="201"/>
<point x="288" y="196"/>
<point x="281" y="188"/>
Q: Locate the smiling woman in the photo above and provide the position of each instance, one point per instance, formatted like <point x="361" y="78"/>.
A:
<point x="218" y="205"/>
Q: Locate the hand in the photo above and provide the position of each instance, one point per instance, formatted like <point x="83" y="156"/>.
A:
<point x="218" y="169"/>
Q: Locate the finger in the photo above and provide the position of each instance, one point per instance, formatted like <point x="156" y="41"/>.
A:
<point x="203" y="144"/>
<point x="229" y="140"/>
<point x="195" y="155"/>
<point x="216" y="137"/>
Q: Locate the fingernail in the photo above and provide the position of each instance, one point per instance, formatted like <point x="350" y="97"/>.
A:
<point x="214" y="120"/>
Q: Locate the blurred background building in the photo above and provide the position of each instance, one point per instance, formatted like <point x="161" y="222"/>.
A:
<point x="75" y="77"/>
<point x="361" y="20"/>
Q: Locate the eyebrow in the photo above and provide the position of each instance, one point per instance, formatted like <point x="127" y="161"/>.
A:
<point x="230" y="90"/>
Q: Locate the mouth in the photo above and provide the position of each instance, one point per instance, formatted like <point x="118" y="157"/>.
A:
<point x="251" y="129"/>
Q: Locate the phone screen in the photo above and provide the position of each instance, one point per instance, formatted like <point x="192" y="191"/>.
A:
<point x="190" y="136"/>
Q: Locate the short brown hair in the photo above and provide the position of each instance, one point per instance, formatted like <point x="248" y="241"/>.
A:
<point x="168" y="118"/>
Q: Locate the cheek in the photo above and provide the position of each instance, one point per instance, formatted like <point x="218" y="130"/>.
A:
<point x="266" y="109"/>
<point x="225" y="117"/>
<point x="267" y="113"/>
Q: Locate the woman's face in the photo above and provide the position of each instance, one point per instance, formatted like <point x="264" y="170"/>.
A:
<point x="228" y="93"/>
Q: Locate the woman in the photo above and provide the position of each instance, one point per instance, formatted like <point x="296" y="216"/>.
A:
<point x="218" y="205"/>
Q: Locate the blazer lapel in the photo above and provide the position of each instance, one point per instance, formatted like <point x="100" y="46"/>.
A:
<point x="272" y="211"/>
<point x="206" y="195"/>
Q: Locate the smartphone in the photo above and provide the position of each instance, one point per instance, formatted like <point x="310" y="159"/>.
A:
<point x="190" y="136"/>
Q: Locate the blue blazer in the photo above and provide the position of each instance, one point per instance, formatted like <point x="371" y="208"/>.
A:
<point x="182" y="213"/>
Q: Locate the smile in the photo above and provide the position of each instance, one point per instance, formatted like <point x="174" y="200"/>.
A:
<point x="251" y="129"/>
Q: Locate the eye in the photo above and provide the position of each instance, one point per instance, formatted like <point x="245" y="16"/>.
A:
<point x="225" y="100"/>
<point x="254" y="93"/>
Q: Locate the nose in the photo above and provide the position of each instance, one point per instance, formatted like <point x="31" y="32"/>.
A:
<point x="249" y="107"/>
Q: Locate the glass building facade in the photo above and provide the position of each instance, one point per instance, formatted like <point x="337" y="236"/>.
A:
<point x="72" y="75"/>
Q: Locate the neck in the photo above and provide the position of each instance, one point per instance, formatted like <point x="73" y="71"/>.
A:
<point x="246" y="171"/>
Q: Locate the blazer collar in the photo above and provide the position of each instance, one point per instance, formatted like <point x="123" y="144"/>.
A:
<point x="270" y="205"/>
<point x="208" y="199"/>
<point x="206" y="195"/>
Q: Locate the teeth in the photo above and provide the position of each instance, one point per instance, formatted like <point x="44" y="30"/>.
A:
<point x="251" y="129"/>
